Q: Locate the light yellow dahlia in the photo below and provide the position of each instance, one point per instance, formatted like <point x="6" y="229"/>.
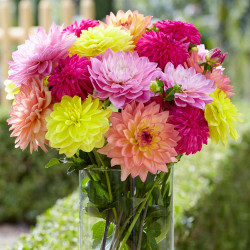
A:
<point x="221" y="116"/>
<point x="75" y="125"/>
<point x="11" y="89"/>
<point x="97" y="40"/>
<point x="135" y="22"/>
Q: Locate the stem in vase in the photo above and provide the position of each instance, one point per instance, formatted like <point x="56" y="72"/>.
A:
<point x="124" y="241"/>
<point x="116" y="229"/>
<point x="108" y="181"/>
<point x="105" y="231"/>
<point x="141" y="227"/>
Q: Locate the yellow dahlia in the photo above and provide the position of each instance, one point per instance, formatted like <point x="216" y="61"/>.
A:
<point x="97" y="40"/>
<point x="221" y="116"/>
<point x="75" y="125"/>
<point x="135" y="22"/>
<point x="11" y="89"/>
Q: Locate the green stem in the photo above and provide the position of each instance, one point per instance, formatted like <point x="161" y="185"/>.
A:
<point x="91" y="158"/>
<point x="108" y="181"/>
<point x="142" y="206"/>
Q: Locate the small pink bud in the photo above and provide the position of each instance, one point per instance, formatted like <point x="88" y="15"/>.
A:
<point x="215" y="57"/>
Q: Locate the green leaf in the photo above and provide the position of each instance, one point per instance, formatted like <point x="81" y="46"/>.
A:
<point x="96" y="193"/>
<point x="158" y="211"/>
<point x="155" y="229"/>
<point x="83" y="183"/>
<point x="98" y="230"/>
<point x="152" y="242"/>
<point x="53" y="162"/>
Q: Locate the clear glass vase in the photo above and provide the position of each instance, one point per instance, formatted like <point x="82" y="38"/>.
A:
<point x="129" y="214"/>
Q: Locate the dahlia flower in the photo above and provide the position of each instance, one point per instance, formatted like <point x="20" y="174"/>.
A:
<point x="195" y="88"/>
<point x="140" y="140"/>
<point x="71" y="77"/>
<point x="123" y="77"/>
<point x="161" y="48"/>
<point x="221" y="116"/>
<point x="39" y="55"/>
<point x="180" y="31"/>
<point x="11" y="89"/>
<point x="135" y="22"/>
<point x="75" y="125"/>
<point x="76" y="28"/>
<point x="220" y="80"/>
<point x="97" y="40"/>
<point x="192" y="127"/>
<point x="28" y="115"/>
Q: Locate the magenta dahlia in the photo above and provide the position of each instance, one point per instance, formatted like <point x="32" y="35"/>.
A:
<point x="192" y="127"/>
<point x="180" y="31"/>
<point x="195" y="88"/>
<point x="123" y="77"/>
<point x="161" y="48"/>
<point x="76" y="28"/>
<point x="40" y="54"/>
<point x="71" y="77"/>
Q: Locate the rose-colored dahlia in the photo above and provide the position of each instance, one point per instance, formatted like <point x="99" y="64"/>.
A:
<point x="135" y="22"/>
<point x="123" y="77"/>
<point x="180" y="31"/>
<point x="39" y="55"/>
<point x="161" y="48"/>
<point x="220" y="80"/>
<point x="192" y="127"/>
<point x="195" y="88"/>
<point x="28" y="115"/>
<point x="140" y="140"/>
<point x="76" y="28"/>
<point x="71" y="77"/>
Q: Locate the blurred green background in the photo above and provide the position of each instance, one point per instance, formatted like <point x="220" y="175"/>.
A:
<point x="212" y="202"/>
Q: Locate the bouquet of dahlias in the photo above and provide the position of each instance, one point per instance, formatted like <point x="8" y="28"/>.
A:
<point x="123" y="101"/>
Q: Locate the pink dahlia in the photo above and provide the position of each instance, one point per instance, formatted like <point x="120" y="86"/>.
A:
<point x="76" y="28"/>
<point x="180" y="31"/>
<point x="140" y="140"/>
<point x="192" y="127"/>
<point x="220" y="80"/>
<point x="28" y="115"/>
<point x="195" y="88"/>
<point x="161" y="48"/>
<point x="71" y="77"/>
<point x="39" y="55"/>
<point x="123" y="77"/>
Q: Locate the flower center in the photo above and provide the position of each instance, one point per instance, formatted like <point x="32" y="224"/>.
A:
<point x="145" y="138"/>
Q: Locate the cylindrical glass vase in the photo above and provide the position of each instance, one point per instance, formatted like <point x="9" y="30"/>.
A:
<point x="128" y="214"/>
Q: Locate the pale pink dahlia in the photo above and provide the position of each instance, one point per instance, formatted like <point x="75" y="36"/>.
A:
<point x="195" y="88"/>
<point x="123" y="77"/>
<point x="28" y="115"/>
<point x="180" y="31"/>
<point x="39" y="55"/>
<point x="220" y="80"/>
<point x="140" y="140"/>
<point x="192" y="127"/>
<point x="71" y="77"/>
<point x="76" y="28"/>
<point x="161" y="48"/>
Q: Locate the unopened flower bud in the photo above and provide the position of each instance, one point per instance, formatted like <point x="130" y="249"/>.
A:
<point x="156" y="86"/>
<point x="215" y="57"/>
